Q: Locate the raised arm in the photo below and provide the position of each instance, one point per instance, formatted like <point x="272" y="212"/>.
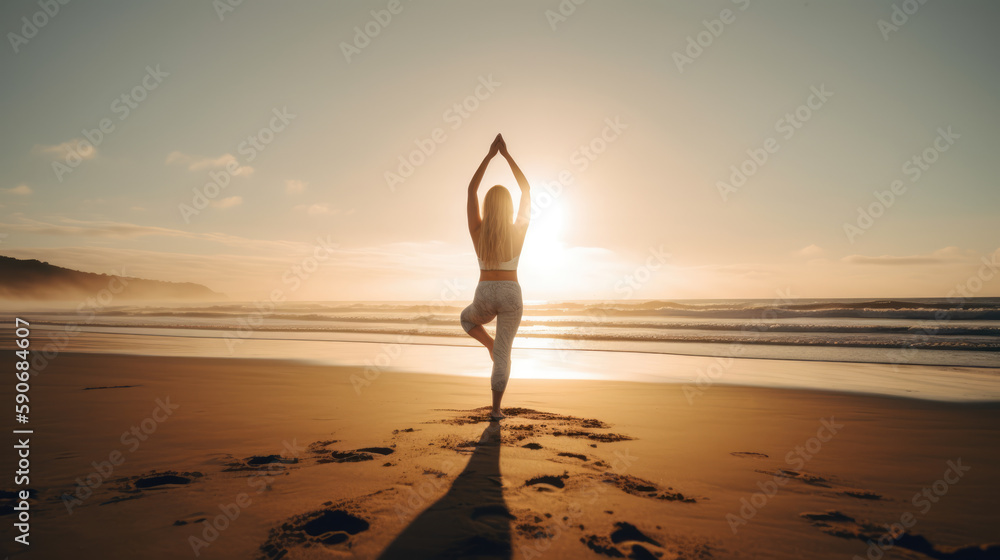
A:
<point x="524" y="211"/>
<point x="473" y="203"/>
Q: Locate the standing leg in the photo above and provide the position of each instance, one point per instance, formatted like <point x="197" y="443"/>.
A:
<point x="508" y="321"/>
<point x="497" y="396"/>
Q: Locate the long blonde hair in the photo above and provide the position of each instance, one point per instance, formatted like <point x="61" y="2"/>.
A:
<point x="496" y="242"/>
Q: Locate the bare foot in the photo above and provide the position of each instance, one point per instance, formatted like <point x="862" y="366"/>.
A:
<point x="496" y="415"/>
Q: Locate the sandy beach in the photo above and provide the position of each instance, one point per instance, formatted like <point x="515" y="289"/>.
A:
<point x="155" y="457"/>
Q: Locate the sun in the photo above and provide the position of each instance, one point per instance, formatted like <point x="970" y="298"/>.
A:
<point x="544" y="251"/>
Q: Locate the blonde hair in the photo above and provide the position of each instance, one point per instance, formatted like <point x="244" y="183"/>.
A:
<point x="496" y="242"/>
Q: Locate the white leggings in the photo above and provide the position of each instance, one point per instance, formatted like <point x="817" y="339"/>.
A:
<point x="500" y="299"/>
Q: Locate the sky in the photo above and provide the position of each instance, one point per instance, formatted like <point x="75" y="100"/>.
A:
<point x="709" y="150"/>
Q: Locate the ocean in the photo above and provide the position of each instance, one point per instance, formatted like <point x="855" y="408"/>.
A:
<point x="930" y="348"/>
<point x="932" y="331"/>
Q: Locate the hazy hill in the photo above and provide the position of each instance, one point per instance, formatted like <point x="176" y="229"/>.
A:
<point x="36" y="280"/>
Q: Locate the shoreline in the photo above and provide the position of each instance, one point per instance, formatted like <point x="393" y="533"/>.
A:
<point x="116" y="330"/>
<point x="937" y="382"/>
<point x="560" y="337"/>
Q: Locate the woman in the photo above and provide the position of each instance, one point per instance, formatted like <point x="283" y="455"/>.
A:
<point x="498" y="240"/>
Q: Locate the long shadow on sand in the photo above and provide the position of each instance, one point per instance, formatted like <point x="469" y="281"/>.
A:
<point x="470" y="521"/>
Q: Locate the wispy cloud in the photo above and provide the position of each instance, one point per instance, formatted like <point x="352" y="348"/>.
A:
<point x="121" y="230"/>
<point x="78" y="146"/>
<point x="228" y="202"/>
<point x="22" y="190"/>
<point x="941" y="256"/>
<point x="809" y="251"/>
<point x="294" y="186"/>
<point x="317" y="209"/>
<point x="195" y="163"/>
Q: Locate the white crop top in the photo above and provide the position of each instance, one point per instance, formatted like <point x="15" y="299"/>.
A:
<point x="506" y="265"/>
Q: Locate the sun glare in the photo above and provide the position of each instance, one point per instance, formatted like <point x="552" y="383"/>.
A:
<point x="544" y="250"/>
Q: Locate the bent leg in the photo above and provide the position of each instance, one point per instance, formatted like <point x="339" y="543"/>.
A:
<point x="476" y="313"/>
<point x="479" y="333"/>
<point x="474" y="317"/>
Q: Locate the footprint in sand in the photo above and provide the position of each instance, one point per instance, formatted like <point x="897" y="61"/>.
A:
<point x="330" y="526"/>
<point x="644" y="488"/>
<point x="604" y="438"/>
<point x="628" y="541"/>
<point x="525" y="424"/>
<point x="861" y="494"/>
<point x="749" y="455"/>
<point x="563" y="426"/>
<point x="838" y="524"/>
<point x="632" y="485"/>
<point x="535" y="528"/>
<point x="259" y="463"/>
<point x="548" y="423"/>
<point x="133" y="487"/>
<point x="158" y="479"/>
<point x="336" y="526"/>
<point x="544" y="482"/>
<point x="579" y="456"/>
<point x="161" y="480"/>
<point x="823" y="482"/>
<point x="191" y="519"/>
<point x="351" y="456"/>
<point x="807" y="478"/>
<point x="625" y="539"/>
